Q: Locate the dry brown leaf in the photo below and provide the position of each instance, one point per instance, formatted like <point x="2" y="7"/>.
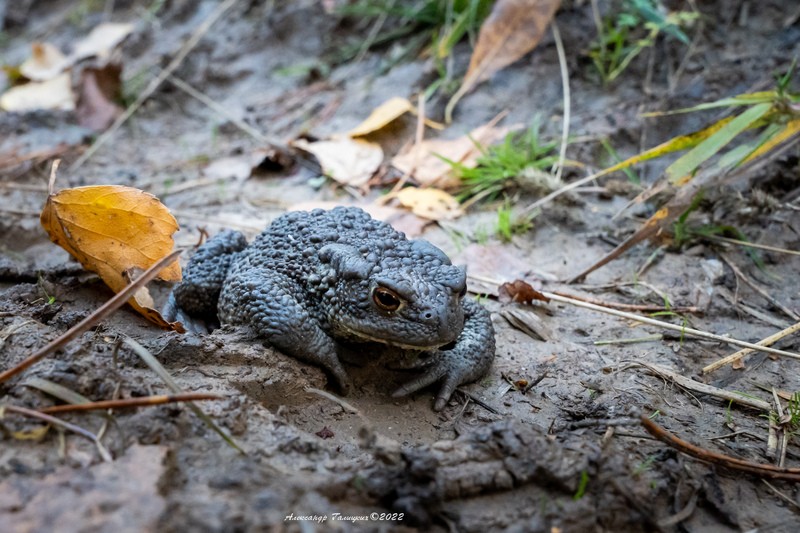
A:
<point x="114" y="230"/>
<point x="422" y="161"/>
<point x="519" y="291"/>
<point x="433" y="204"/>
<point x="347" y="161"/>
<point x="101" y="41"/>
<point x="46" y="62"/>
<point x="55" y="93"/>
<point x="660" y="221"/>
<point x="99" y="89"/>
<point x="513" y="29"/>
<point x="242" y="166"/>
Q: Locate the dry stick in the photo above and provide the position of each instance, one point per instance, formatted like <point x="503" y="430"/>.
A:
<point x="188" y="46"/>
<point x="630" y="307"/>
<point x="562" y="64"/>
<point x="734" y="463"/>
<point x="106" y="309"/>
<point x="750" y="283"/>
<point x="58" y="422"/>
<point x="666" y="325"/>
<point x="751" y="245"/>
<point x="132" y="402"/>
<point x="772" y="339"/>
<point x="703" y="388"/>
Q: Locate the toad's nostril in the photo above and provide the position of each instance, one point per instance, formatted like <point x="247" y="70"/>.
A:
<point x="428" y="315"/>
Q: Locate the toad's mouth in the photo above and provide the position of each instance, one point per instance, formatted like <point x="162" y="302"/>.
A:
<point x="366" y="337"/>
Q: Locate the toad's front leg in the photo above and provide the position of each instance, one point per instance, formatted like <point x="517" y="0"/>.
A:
<point x="266" y="301"/>
<point x="468" y="359"/>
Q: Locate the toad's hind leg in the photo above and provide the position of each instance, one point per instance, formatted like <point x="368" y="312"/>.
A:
<point x="265" y="300"/>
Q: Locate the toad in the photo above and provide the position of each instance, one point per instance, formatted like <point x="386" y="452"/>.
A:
<point x="314" y="280"/>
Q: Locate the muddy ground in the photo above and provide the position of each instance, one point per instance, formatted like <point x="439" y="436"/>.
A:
<point x="551" y="459"/>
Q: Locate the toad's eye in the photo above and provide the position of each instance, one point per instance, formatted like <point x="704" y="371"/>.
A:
<point x="386" y="299"/>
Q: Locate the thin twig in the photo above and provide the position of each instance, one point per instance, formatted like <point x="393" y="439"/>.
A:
<point x="772" y="339"/>
<point x="188" y="46"/>
<point x="631" y="307"/>
<point x="101" y="313"/>
<point x="750" y="283"/>
<point x="734" y="463"/>
<point x="666" y="325"/>
<point x="562" y="64"/>
<point x="144" y="401"/>
<point x="703" y="388"/>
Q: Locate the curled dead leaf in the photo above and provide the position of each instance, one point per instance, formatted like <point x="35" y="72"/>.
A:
<point x="46" y="62"/>
<point x="99" y="90"/>
<point x="432" y="204"/>
<point x="101" y="41"/>
<point x="519" y="291"/>
<point x="55" y="93"/>
<point x="345" y="160"/>
<point x="513" y="29"/>
<point x="113" y="230"/>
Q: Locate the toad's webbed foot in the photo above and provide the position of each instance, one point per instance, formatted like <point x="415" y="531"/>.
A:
<point x="468" y="359"/>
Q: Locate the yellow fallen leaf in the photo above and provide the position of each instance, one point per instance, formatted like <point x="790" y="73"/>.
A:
<point x="424" y="160"/>
<point x="46" y="62"/>
<point x="55" y="93"/>
<point x="513" y="29"/>
<point x="114" y="231"/>
<point x="385" y="114"/>
<point x="433" y="204"/>
<point x="382" y="115"/>
<point x="345" y="160"/>
<point x="35" y="434"/>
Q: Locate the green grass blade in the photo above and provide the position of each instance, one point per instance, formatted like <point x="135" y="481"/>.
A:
<point x="689" y="162"/>
<point x="156" y="367"/>
<point x="762" y="97"/>
<point x="676" y="144"/>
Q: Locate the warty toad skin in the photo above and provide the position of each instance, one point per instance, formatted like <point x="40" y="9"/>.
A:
<point x="314" y="279"/>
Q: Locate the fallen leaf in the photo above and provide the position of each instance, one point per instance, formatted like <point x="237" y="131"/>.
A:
<point x="238" y="168"/>
<point x="241" y="167"/>
<point x="513" y="28"/>
<point x="519" y="291"/>
<point x="99" y="89"/>
<point x="101" y="41"/>
<point x="385" y="114"/>
<point x="424" y="160"/>
<point x="46" y="62"/>
<point x="347" y="161"/>
<point x="433" y="204"/>
<point x="51" y="94"/>
<point x="656" y="224"/>
<point x="382" y="115"/>
<point x="113" y="230"/>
